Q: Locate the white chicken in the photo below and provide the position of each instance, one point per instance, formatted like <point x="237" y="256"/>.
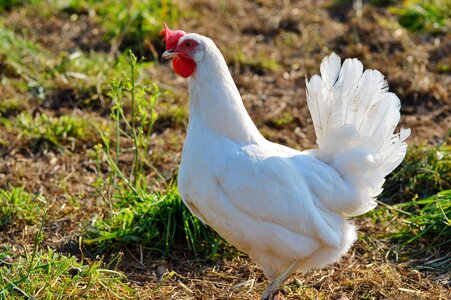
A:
<point x="287" y="209"/>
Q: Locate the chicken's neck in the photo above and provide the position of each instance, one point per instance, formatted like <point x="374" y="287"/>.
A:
<point x="216" y="102"/>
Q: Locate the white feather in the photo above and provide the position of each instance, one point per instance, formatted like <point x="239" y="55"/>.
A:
<point x="275" y="203"/>
<point x="364" y="117"/>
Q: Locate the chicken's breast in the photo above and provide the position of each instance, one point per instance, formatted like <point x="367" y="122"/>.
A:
<point x="266" y="202"/>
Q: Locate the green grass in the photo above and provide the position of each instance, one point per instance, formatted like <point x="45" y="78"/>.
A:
<point x="24" y="59"/>
<point x="138" y="214"/>
<point x="41" y="130"/>
<point x="128" y="24"/>
<point x="427" y="220"/>
<point x="159" y="223"/>
<point x="283" y="119"/>
<point x="50" y="275"/>
<point x="259" y="63"/>
<point x="424" y="172"/>
<point x="420" y="195"/>
<point x="19" y="208"/>
<point x="11" y="106"/>
<point x="175" y="114"/>
<point x="28" y="67"/>
<point x="417" y="229"/>
<point x="45" y="274"/>
<point x="9" y="4"/>
<point x="430" y="16"/>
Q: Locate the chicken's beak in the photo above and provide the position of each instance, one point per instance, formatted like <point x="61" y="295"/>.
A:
<point x="169" y="54"/>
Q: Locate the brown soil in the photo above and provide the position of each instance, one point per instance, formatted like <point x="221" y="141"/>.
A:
<point x="296" y="36"/>
<point x="58" y="33"/>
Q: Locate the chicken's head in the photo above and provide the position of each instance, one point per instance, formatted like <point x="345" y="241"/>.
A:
<point x="184" y="49"/>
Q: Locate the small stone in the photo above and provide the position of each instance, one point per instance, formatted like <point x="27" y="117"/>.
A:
<point x="74" y="271"/>
<point x="161" y="270"/>
<point x="298" y="282"/>
<point x="415" y="275"/>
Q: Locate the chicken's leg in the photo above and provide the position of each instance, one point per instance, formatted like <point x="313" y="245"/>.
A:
<point x="274" y="286"/>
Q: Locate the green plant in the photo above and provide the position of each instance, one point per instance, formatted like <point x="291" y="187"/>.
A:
<point x="11" y="107"/>
<point x="284" y="119"/>
<point x="19" y="207"/>
<point x="8" y="4"/>
<point x="135" y="122"/>
<point x="24" y="59"/>
<point x="158" y="223"/>
<point x="427" y="220"/>
<point x="128" y="23"/>
<point x="424" y="172"/>
<point x="55" y="276"/>
<point x="420" y="188"/>
<point x="50" y="275"/>
<point x="90" y="73"/>
<point x="172" y="113"/>
<point x="138" y="214"/>
<point x="424" y="15"/>
<point x="30" y="67"/>
<point x="259" y="63"/>
<point x="42" y="129"/>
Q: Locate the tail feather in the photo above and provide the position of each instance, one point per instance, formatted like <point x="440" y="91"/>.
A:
<point x="350" y="74"/>
<point x="354" y="117"/>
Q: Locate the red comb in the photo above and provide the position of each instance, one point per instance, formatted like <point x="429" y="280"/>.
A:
<point x="171" y="36"/>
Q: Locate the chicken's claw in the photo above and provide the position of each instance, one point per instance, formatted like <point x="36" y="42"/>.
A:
<point x="273" y="294"/>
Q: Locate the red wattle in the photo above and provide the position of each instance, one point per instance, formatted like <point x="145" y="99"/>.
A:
<point x="184" y="66"/>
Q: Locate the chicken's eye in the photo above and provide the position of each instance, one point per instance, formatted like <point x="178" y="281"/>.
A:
<point x="188" y="44"/>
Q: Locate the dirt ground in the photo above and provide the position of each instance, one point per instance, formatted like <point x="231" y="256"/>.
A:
<point x="298" y="34"/>
<point x="295" y="35"/>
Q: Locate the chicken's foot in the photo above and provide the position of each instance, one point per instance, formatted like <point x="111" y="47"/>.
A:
<point x="274" y="287"/>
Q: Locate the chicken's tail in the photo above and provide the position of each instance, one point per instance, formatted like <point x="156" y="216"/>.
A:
<point x="355" y="117"/>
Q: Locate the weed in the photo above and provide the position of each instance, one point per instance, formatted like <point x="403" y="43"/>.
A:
<point x="24" y="59"/>
<point x="444" y="68"/>
<point x="172" y="114"/>
<point x="11" y="107"/>
<point x="424" y="15"/>
<point x="46" y="274"/>
<point x="43" y="130"/>
<point x="428" y="220"/>
<point x="158" y="223"/>
<point x="418" y="227"/>
<point x="420" y="187"/>
<point x="138" y="214"/>
<point x="29" y="67"/>
<point x="137" y="125"/>
<point x="19" y="207"/>
<point x="285" y="119"/>
<point x="424" y="172"/>
<point x="8" y="4"/>
<point x="128" y="23"/>
<point x="260" y="63"/>
<point x="90" y="73"/>
<point x="50" y="275"/>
